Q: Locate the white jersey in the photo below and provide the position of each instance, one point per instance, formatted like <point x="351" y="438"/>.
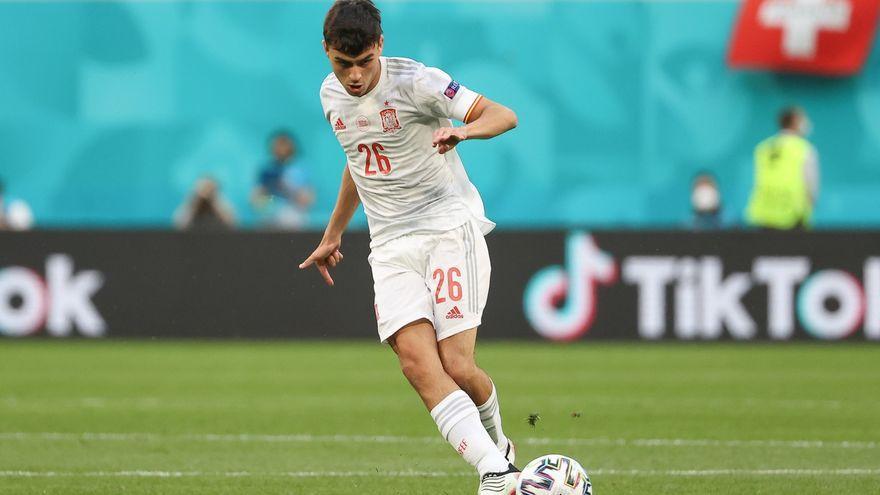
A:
<point x="405" y="185"/>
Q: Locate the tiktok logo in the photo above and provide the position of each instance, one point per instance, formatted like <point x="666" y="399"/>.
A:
<point x="60" y="302"/>
<point x="840" y="286"/>
<point x="560" y="302"/>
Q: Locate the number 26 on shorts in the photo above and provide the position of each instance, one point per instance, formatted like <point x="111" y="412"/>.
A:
<point x="382" y="161"/>
<point x="453" y="287"/>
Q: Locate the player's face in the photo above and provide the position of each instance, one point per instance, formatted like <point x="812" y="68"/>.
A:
<point x="282" y="148"/>
<point x="359" y="74"/>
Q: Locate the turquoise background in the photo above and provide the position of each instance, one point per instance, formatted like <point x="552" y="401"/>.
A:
<point x="110" y="111"/>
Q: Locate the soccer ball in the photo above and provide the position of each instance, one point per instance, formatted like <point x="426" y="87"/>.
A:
<point x="554" y="475"/>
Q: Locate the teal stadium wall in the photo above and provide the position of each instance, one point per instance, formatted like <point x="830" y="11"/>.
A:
<point x="110" y="111"/>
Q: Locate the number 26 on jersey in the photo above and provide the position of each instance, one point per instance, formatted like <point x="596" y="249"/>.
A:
<point x="382" y="162"/>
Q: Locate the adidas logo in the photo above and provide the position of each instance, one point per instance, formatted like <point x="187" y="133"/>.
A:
<point x="454" y="313"/>
<point x="340" y="125"/>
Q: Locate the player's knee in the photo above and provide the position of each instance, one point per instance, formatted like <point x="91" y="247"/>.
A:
<point x="462" y="369"/>
<point x="410" y="367"/>
<point x="415" y="368"/>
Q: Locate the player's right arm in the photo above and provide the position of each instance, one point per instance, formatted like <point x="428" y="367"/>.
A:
<point x="327" y="254"/>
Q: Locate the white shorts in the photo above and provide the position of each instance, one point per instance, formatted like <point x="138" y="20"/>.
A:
<point x="441" y="277"/>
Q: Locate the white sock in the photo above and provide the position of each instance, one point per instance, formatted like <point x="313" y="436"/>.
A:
<point x="490" y="415"/>
<point x="459" y="423"/>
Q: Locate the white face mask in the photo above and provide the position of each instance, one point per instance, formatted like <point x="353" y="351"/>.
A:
<point x="705" y="198"/>
<point x="19" y="216"/>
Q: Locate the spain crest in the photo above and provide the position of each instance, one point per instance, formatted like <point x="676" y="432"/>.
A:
<point x="389" y="120"/>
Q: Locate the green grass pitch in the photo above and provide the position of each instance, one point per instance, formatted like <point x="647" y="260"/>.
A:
<point x="338" y="418"/>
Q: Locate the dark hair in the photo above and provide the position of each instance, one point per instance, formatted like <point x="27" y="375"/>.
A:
<point x="704" y="174"/>
<point x="281" y="133"/>
<point x="788" y="115"/>
<point x="352" y="26"/>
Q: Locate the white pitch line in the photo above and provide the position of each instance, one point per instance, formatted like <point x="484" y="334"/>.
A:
<point x="432" y="474"/>
<point x="229" y="474"/>
<point x="307" y="438"/>
<point x="696" y="442"/>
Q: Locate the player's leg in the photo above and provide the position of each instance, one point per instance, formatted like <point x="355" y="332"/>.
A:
<point x="452" y="409"/>
<point x="405" y="313"/>
<point x="457" y="357"/>
<point x="460" y="297"/>
<point x="416" y="349"/>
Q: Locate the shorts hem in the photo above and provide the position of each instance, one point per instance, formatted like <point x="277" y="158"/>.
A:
<point x="402" y="322"/>
<point x="461" y="327"/>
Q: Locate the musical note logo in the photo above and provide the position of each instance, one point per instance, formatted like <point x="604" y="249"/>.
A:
<point x="560" y="302"/>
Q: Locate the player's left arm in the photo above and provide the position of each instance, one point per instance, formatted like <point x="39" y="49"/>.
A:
<point x="485" y="120"/>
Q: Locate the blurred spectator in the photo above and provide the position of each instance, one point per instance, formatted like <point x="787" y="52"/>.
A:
<point x="706" y="202"/>
<point x="786" y="181"/>
<point x="205" y="209"/>
<point x="16" y="214"/>
<point x="283" y="194"/>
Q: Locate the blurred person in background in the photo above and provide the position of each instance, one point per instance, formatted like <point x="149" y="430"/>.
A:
<point x="283" y="194"/>
<point x="16" y="214"/>
<point x="205" y="209"/>
<point x="705" y="202"/>
<point x="786" y="181"/>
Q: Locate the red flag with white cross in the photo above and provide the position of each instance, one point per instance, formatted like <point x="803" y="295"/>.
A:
<point x="826" y="37"/>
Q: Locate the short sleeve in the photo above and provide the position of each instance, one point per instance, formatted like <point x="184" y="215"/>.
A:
<point x="324" y="105"/>
<point x="435" y="93"/>
<point x="326" y="96"/>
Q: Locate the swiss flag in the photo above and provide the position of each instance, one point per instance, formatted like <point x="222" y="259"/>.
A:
<point x="828" y="37"/>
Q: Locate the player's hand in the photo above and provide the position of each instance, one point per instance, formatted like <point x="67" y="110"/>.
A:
<point x="446" y="138"/>
<point x="326" y="256"/>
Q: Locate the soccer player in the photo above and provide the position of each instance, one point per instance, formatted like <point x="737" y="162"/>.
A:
<point x="392" y="117"/>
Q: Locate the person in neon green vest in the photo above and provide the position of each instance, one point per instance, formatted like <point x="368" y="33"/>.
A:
<point x="786" y="176"/>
